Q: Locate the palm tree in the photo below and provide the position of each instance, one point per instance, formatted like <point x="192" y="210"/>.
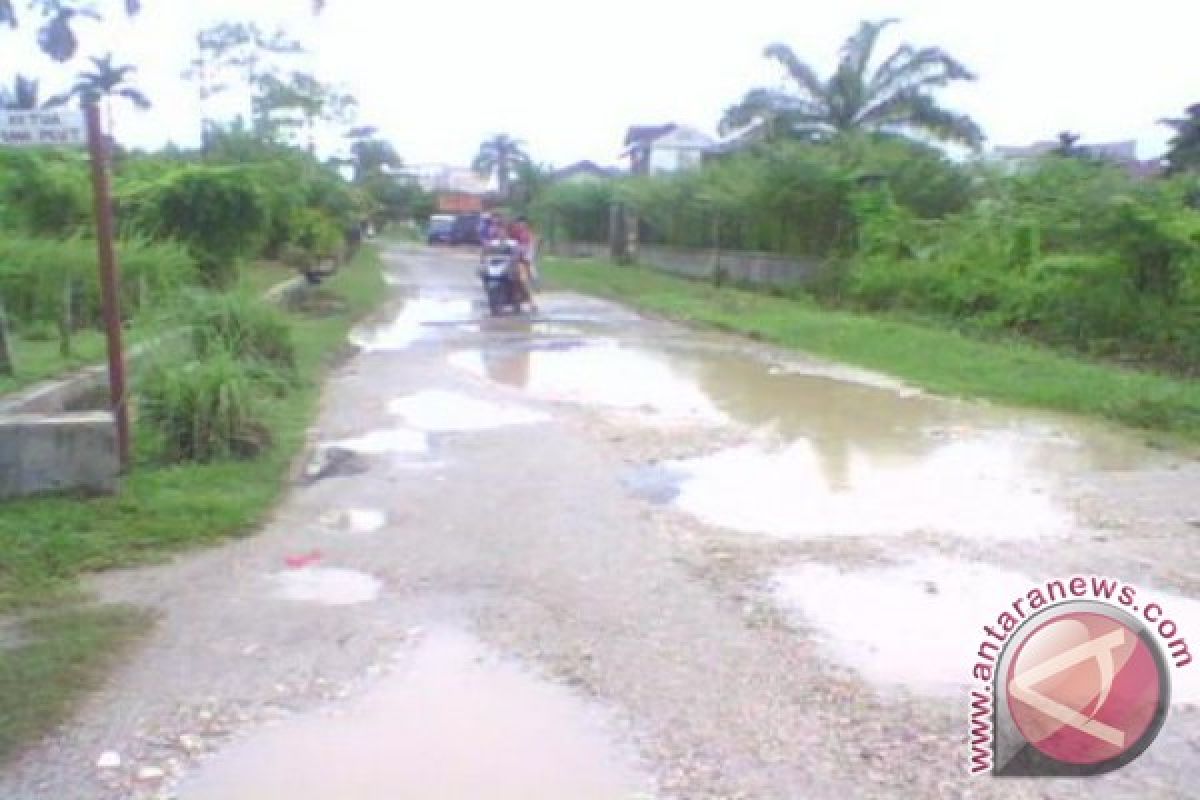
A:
<point x="105" y="82"/>
<point x="1184" y="148"/>
<point x="22" y="97"/>
<point x="500" y="156"/>
<point x="894" y="97"/>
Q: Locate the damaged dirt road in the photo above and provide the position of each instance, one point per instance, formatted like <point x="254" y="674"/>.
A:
<point x="592" y="555"/>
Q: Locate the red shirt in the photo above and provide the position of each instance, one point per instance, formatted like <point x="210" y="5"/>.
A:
<point x="521" y="233"/>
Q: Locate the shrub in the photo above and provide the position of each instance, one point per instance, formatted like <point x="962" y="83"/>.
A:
<point x="203" y="410"/>
<point x="313" y="237"/>
<point x="242" y="325"/>
<point x="44" y="193"/>
<point x="34" y="274"/>
<point x="218" y="212"/>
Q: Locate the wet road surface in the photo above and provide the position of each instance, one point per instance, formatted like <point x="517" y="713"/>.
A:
<point x="595" y="555"/>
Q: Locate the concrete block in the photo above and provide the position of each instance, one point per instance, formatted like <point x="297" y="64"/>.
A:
<point x="58" y="452"/>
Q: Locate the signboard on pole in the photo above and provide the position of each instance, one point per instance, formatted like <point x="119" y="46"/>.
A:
<point x="80" y="129"/>
<point x="42" y="129"/>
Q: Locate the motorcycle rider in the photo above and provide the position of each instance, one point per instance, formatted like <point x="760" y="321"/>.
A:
<point x="522" y="234"/>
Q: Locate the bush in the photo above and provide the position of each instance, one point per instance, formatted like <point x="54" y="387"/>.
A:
<point x="44" y="193"/>
<point x="34" y="274"/>
<point x="218" y="212"/>
<point x="203" y="410"/>
<point x="313" y="238"/>
<point x="241" y="325"/>
<point x="576" y="212"/>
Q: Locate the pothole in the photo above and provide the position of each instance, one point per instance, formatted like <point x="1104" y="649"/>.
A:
<point x="355" y="520"/>
<point x="602" y="373"/>
<point x="416" y="320"/>
<point x="976" y="488"/>
<point x="437" y="411"/>
<point x="455" y="722"/>
<point x="402" y="441"/>
<point x="327" y="586"/>
<point x="919" y="623"/>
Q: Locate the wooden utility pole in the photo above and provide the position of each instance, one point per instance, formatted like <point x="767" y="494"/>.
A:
<point x="109" y="278"/>
<point x="6" y="364"/>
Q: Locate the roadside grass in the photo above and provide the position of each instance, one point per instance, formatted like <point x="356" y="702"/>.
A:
<point x="38" y="360"/>
<point x="259" y="276"/>
<point x="59" y="656"/>
<point x="935" y="358"/>
<point x="45" y="542"/>
<point x="63" y="646"/>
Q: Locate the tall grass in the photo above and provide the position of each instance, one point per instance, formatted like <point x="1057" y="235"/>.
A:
<point x="204" y="410"/>
<point x="242" y="325"/>
<point x="38" y="275"/>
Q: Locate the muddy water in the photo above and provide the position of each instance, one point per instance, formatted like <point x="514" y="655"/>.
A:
<point x="870" y="618"/>
<point x="404" y="441"/>
<point x="832" y="451"/>
<point x="981" y="486"/>
<point x="456" y="724"/>
<point x="418" y="319"/>
<point x="439" y="411"/>
<point x="839" y="451"/>
<point x="605" y="372"/>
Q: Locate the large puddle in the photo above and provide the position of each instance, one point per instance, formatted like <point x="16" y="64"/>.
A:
<point x="603" y="372"/>
<point x="401" y="441"/>
<point x="983" y="485"/>
<point x="457" y="723"/>
<point x="840" y="451"/>
<point x="919" y="623"/>
<point x="419" y="318"/>
<point x="438" y="411"/>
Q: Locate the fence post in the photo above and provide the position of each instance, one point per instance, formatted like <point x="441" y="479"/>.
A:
<point x="718" y="271"/>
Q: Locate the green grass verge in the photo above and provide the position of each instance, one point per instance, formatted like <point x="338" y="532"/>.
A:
<point x="61" y="650"/>
<point x="938" y="359"/>
<point x="35" y="361"/>
<point x="260" y="276"/>
<point x="46" y="542"/>
<point x="58" y="657"/>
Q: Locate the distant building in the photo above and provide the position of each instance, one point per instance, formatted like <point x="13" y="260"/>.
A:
<point x="1122" y="154"/>
<point x="584" y="171"/>
<point x="654" y="149"/>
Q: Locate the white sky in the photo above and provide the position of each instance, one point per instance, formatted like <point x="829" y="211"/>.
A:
<point x="568" y="76"/>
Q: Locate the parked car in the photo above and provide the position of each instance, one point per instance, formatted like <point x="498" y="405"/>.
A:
<point x="453" y="229"/>
<point x="441" y="229"/>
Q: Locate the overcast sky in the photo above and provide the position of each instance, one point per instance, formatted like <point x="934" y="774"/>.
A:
<point x="568" y="76"/>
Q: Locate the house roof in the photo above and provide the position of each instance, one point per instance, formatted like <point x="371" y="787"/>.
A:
<point x="643" y="134"/>
<point x="584" y="168"/>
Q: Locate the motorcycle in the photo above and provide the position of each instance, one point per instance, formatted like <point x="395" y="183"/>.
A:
<point x="498" y="272"/>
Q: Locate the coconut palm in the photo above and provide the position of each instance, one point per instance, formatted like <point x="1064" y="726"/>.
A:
<point x="22" y="97"/>
<point x="500" y="156"/>
<point x="105" y="82"/>
<point x="1184" y="147"/>
<point x="896" y="96"/>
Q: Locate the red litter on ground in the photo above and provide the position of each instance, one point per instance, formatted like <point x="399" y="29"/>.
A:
<point x="303" y="560"/>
